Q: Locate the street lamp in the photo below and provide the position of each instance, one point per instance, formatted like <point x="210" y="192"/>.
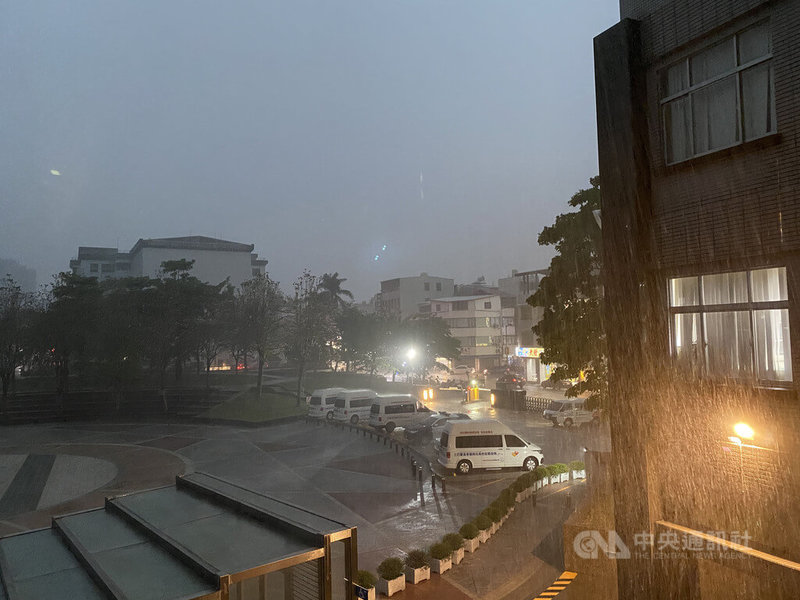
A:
<point x="743" y="430"/>
<point x="410" y="354"/>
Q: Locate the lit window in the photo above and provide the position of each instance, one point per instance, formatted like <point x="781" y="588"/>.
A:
<point x="719" y="97"/>
<point x="732" y="324"/>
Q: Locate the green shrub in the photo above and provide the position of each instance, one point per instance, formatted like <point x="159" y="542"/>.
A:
<point x="560" y="468"/>
<point x="507" y="498"/>
<point x="577" y="465"/>
<point x="521" y="484"/>
<point x="469" y="531"/>
<point x="365" y="579"/>
<point x="391" y="568"/>
<point x="416" y="559"/>
<point x="495" y="512"/>
<point x="551" y="470"/>
<point x="454" y="541"/>
<point x="539" y="473"/>
<point x="440" y="551"/>
<point x="482" y="522"/>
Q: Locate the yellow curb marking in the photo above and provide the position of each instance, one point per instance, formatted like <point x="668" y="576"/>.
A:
<point x="559" y="585"/>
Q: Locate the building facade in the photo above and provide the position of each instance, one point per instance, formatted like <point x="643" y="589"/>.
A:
<point x="484" y="328"/>
<point x="404" y="297"/>
<point x="698" y="108"/>
<point x="214" y="260"/>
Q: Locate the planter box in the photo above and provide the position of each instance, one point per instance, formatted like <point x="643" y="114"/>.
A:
<point x="458" y="555"/>
<point x="387" y="587"/>
<point x="579" y="474"/>
<point x="440" y="566"/>
<point x="494" y="528"/>
<point x="418" y="575"/>
<point x="483" y="535"/>
<point x="472" y="545"/>
<point x="541" y="483"/>
<point x="521" y="497"/>
<point x="370" y="593"/>
<point x="555" y="479"/>
<point x="563" y="477"/>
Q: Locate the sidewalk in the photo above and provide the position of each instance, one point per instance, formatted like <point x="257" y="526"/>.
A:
<point x="523" y="558"/>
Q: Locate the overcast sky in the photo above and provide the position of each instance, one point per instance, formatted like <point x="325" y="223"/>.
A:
<point x="320" y="131"/>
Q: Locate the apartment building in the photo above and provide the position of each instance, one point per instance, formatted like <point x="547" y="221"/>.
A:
<point x="404" y="297"/>
<point x="698" y="111"/>
<point x="484" y="328"/>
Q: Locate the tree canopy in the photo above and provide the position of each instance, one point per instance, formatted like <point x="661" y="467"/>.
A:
<point x="571" y="329"/>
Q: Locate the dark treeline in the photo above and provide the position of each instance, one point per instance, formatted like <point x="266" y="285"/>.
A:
<point x="121" y="334"/>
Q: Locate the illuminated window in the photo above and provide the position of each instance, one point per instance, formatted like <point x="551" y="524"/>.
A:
<point x="732" y="324"/>
<point x="719" y="97"/>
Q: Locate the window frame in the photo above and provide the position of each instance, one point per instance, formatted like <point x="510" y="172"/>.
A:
<point x="749" y="306"/>
<point x="691" y="89"/>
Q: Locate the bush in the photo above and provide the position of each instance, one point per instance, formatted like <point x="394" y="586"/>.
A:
<point x="366" y="579"/>
<point x="507" y="497"/>
<point x="577" y="465"/>
<point x="454" y="541"/>
<point x="391" y="568"/>
<point x="550" y="470"/>
<point x="482" y="522"/>
<point x="560" y="468"/>
<point x="416" y="559"/>
<point x="539" y="473"/>
<point x="469" y="531"/>
<point x="495" y="512"/>
<point x="521" y="484"/>
<point x="440" y="551"/>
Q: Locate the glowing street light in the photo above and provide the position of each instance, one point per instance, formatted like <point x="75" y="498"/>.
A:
<point x="743" y="430"/>
<point x="411" y="354"/>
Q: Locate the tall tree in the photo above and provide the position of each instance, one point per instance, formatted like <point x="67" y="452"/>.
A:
<point x="311" y="327"/>
<point x="16" y="314"/>
<point x="571" y="329"/>
<point x="262" y="312"/>
<point x="331" y="292"/>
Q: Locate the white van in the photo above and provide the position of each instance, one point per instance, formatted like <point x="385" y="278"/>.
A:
<point x="353" y="405"/>
<point x="569" y="412"/>
<point x="321" y="404"/>
<point x="467" y="445"/>
<point x="398" y="410"/>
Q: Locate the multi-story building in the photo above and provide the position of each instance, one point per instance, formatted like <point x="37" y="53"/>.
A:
<point x="404" y="297"/>
<point x="521" y="286"/>
<point x="698" y="111"/>
<point x="484" y="328"/>
<point x="214" y="260"/>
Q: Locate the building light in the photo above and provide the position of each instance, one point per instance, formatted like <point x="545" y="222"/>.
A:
<point x="743" y="430"/>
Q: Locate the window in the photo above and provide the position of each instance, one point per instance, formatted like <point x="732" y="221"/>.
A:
<point x="256" y="272"/>
<point x="438" y="286"/>
<point x="479" y="441"/>
<point x="487" y="305"/>
<point x="427" y="286"/>
<point x="438" y="307"/>
<point x="719" y="97"/>
<point x="396" y="409"/>
<point x="94" y="267"/>
<point x="461" y="305"/>
<point x="513" y="441"/>
<point x="732" y="324"/>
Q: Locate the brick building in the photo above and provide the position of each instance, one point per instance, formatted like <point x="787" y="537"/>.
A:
<point x="698" y="108"/>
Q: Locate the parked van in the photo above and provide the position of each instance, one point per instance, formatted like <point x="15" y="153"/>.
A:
<point x="467" y="445"/>
<point x="321" y="404"/>
<point x="569" y="412"/>
<point x="398" y="410"/>
<point x="353" y="405"/>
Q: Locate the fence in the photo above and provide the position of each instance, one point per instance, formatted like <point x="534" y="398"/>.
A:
<point x="536" y="404"/>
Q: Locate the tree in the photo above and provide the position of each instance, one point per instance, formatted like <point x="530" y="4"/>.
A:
<point x="417" y="343"/>
<point x="16" y="313"/>
<point x="311" y="327"/>
<point x="330" y="290"/>
<point x="571" y="329"/>
<point x="262" y="312"/>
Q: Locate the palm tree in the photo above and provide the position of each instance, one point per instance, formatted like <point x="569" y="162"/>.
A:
<point x="330" y="289"/>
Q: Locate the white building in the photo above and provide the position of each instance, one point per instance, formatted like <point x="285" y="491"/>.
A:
<point x="484" y="328"/>
<point x="407" y="296"/>
<point x="214" y="260"/>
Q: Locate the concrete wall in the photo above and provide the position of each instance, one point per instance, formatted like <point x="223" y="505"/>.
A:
<point x="210" y="266"/>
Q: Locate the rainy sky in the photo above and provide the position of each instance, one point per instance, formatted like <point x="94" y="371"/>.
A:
<point x="448" y="132"/>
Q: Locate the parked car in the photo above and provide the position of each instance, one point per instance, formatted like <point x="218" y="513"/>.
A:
<point x="396" y="410"/>
<point x="321" y="404"/>
<point x="510" y="381"/>
<point x="431" y="428"/>
<point x="486" y="443"/>
<point x="570" y="412"/>
<point x="353" y="405"/>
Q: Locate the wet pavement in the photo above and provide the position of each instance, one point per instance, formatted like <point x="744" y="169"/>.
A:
<point x="53" y="469"/>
